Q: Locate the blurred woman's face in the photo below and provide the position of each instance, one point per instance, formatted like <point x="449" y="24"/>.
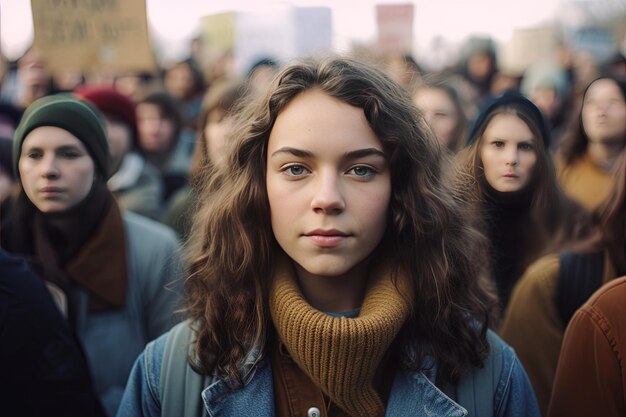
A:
<point x="604" y="113"/>
<point x="55" y="169"/>
<point x="507" y="151"/>
<point x="179" y="81"/>
<point x="439" y="112"/>
<point x="155" y="131"/>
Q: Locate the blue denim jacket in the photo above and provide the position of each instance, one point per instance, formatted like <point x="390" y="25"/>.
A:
<point x="412" y="394"/>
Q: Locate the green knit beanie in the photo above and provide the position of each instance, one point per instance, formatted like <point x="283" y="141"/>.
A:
<point x="76" y="116"/>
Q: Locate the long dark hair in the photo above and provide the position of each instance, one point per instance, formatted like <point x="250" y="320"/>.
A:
<point x="233" y="248"/>
<point x="609" y="221"/>
<point x="554" y="219"/>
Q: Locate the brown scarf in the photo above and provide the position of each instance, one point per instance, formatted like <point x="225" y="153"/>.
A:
<point x="341" y="355"/>
<point x="99" y="266"/>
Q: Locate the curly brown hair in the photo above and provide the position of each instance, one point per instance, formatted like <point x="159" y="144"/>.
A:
<point x="233" y="248"/>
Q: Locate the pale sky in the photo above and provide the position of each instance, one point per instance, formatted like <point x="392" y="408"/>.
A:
<point x="174" y="22"/>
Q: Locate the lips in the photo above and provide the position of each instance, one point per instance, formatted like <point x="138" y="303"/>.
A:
<point x="327" y="238"/>
<point x="51" y="191"/>
<point x="511" y="176"/>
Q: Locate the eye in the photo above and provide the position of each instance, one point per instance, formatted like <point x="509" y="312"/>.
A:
<point x="34" y="155"/>
<point x="71" y="154"/>
<point x="295" y="170"/>
<point x="498" y="143"/>
<point x="362" y="171"/>
<point x="526" y="146"/>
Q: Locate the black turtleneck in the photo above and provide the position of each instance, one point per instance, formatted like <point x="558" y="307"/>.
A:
<point x="508" y="222"/>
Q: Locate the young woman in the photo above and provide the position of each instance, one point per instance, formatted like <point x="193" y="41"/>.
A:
<point x="107" y="270"/>
<point x="558" y="284"/>
<point x="592" y="143"/>
<point x="333" y="272"/>
<point x="159" y="126"/>
<point x="509" y="172"/>
<point x="443" y="110"/>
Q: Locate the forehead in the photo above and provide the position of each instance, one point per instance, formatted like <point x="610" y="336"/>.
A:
<point x="314" y="119"/>
<point x="51" y="137"/>
<point x="604" y="88"/>
<point x="508" y="126"/>
<point x="431" y="96"/>
<point x="148" y="109"/>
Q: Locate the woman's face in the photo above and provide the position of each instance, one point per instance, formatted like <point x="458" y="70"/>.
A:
<point x="328" y="184"/>
<point x="155" y="131"/>
<point x="439" y="112"/>
<point x="507" y="152"/>
<point x="179" y="81"/>
<point x="604" y="112"/>
<point x="55" y="169"/>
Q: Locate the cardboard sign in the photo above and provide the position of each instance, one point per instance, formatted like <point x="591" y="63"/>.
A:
<point x="90" y="35"/>
<point x="278" y="32"/>
<point x="395" y="28"/>
<point x="528" y="46"/>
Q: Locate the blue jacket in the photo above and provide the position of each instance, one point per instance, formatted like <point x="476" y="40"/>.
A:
<point x="412" y="394"/>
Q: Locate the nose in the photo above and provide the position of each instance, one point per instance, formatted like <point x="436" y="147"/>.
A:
<point x="511" y="156"/>
<point x="49" y="167"/>
<point x="328" y="197"/>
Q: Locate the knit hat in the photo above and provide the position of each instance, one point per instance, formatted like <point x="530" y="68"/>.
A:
<point x="76" y="116"/>
<point x="510" y="98"/>
<point x="545" y="75"/>
<point x="111" y="102"/>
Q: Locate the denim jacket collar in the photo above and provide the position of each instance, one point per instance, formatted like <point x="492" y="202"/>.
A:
<point x="412" y="394"/>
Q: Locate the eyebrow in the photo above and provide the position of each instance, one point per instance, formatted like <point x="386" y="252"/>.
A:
<point x="62" y="148"/>
<point x="359" y="153"/>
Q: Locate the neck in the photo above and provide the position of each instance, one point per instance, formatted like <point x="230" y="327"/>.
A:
<point x="336" y="294"/>
<point x="604" y="154"/>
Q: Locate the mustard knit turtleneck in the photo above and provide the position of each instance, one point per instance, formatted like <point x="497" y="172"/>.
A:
<point x="341" y="355"/>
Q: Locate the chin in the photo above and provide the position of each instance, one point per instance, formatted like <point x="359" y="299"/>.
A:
<point x="327" y="268"/>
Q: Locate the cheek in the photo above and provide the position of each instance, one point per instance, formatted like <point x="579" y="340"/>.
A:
<point x="531" y="163"/>
<point x="83" y="178"/>
<point x="27" y="175"/>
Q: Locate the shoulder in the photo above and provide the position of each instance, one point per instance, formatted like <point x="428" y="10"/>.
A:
<point x="148" y="230"/>
<point x="541" y="275"/>
<point x="513" y="394"/>
<point x="609" y="300"/>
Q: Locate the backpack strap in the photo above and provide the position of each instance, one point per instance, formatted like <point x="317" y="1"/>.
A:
<point x="580" y="275"/>
<point x="476" y="389"/>
<point x="180" y="387"/>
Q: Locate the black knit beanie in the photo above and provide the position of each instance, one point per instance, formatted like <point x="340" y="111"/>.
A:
<point x="510" y="99"/>
<point x="76" y="116"/>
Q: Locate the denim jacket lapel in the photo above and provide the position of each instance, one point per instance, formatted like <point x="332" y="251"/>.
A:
<point x="413" y="394"/>
<point x="255" y="398"/>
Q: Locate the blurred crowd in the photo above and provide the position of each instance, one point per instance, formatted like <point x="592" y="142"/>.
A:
<point x="165" y="129"/>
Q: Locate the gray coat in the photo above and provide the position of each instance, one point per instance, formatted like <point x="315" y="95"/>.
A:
<point x="112" y="340"/>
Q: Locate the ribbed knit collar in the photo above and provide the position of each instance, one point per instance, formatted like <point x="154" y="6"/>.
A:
<point x="341" y="355"/>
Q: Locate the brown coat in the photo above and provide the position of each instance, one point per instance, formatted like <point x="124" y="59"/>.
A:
<point x="591" y="375"/>
<point x="584" y="182"/>
<point x="532" y="325"/>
